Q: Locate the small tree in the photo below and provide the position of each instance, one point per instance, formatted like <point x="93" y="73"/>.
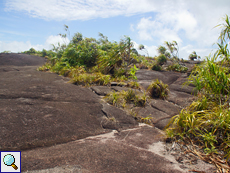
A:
<point x="193" y="56"/>
<point x="173" y="48"/>
<point x="31" y="51"/>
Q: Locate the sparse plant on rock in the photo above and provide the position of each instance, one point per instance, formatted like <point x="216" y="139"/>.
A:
<point x="157" y="89"/>
<point x="161" y="59"/>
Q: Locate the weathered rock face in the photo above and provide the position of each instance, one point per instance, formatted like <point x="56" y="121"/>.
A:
<point x="19" y="59"/>
<point x="116" y="118"/>
<point x="42" y="109"/>
<point x="127" y="151"/>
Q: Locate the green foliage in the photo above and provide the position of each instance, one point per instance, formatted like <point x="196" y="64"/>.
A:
<point x="132" y="72"/>
<point x="156" y="67"/>
<point x="223" y="52"/>
<point x="45" y="67"/>
<point x="116" y="99"/>
<point x="177" y="67"/>
<point x="157" y="89"/>
<point x="83" y="54"/>
<point x="144" y="63"/>
<point x="211" y="78"/>
<point x="161" y="50"/>
<point x="161" y="59"/>
<point x="206" y="122"/>
<point x="225" y="32"/>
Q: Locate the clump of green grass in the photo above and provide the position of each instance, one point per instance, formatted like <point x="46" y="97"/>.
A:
<point x="130" y="96"/>
<point x="205" y="123"/>
<point x="177" y="67"/>
<point x="133" y="84"/>
<point x="87" y="79"/>
<point x="120" y="99"/>
<point x="116" y="99"/>
<point x="157" y="89"/>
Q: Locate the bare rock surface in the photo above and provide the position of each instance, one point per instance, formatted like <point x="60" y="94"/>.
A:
<point x="101" y="90"/>
<point x="116" y="118"/>
<point x="133" y="150"/>
<point x="165" y="106"/>
<point x="19" y="59"/>
<point x="41" y="109"/>
<point x="149" y="75"/>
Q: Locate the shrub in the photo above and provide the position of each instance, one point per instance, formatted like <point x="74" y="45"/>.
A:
<point x="161" y="59"/>
<point x="157" y="89"/>
<point x="193" y="56"/>
<point x="156" y="67"/>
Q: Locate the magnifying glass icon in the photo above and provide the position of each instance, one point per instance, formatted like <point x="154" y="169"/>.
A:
<point x="9" y="160"/>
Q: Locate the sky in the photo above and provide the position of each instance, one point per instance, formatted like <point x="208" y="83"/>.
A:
<point x="36" y="23"/>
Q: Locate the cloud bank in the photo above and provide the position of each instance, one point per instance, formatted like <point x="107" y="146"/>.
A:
<point x="16" y="46"/>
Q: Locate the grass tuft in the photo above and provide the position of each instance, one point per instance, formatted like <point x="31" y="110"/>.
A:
<point x="157" y="89"/>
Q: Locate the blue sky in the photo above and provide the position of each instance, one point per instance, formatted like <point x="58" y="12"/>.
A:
<point x="37" y="23"/>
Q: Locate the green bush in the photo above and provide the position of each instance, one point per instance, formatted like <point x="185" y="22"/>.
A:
<point x="157" y="89"/>
<point x="161" y="59"/>
<point x="211" y="78"/>
<point x="156" y="67"/>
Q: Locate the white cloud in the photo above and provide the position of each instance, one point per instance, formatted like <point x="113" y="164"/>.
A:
<point x="55" y="39"/>
<point x="78" y="9"/>
<point x="16" y="46"/>
<point x="188" y="22"/>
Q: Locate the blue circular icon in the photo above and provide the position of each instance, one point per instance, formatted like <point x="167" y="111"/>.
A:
<point x="8" y="159"/>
